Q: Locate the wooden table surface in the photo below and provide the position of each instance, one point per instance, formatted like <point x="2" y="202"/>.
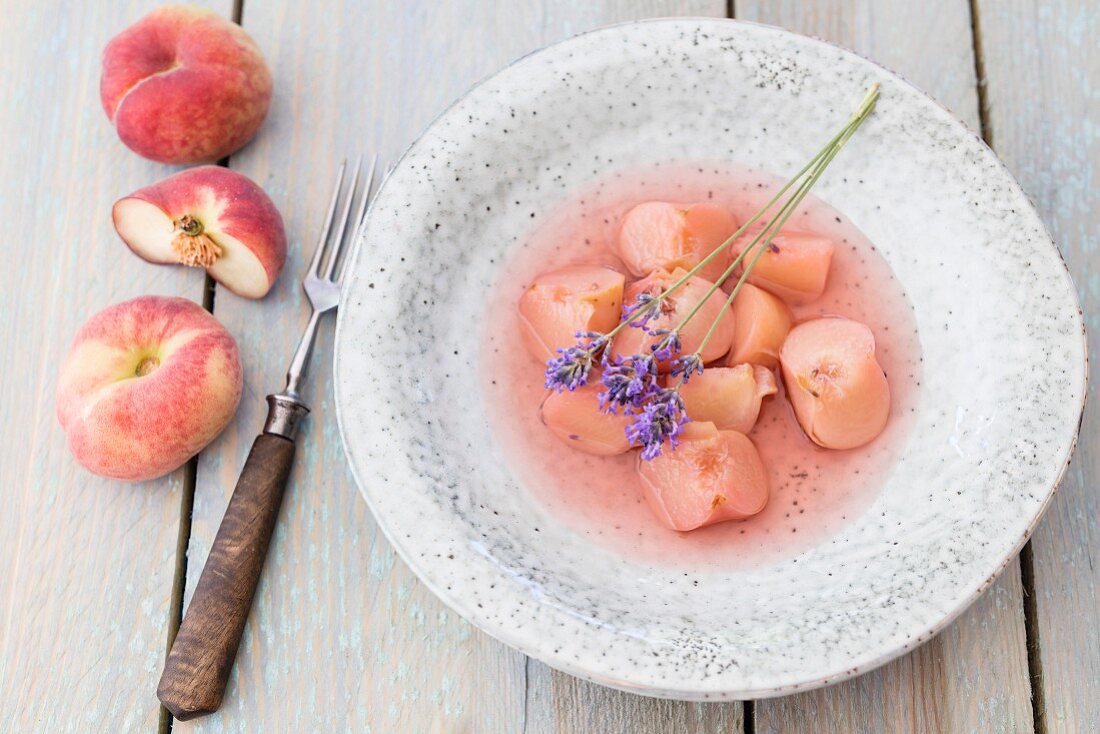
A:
<point x="342" y="636"/>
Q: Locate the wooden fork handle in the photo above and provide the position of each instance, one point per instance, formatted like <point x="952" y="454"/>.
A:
<point x="202" y="654"/>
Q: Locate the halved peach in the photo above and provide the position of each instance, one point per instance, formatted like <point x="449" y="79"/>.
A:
<point x="562" y="302"/>
<point x="728" y="397"/>
<point x="632" y="340"/>
<point x="839" y="392"/>
<point x="760" y="324"/>
<point x="659" y="234"/>
<point x="575" y="417"/>
<point x="712" y="476"/>
<point x="795" y="267"/>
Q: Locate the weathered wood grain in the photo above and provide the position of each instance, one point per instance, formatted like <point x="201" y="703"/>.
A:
<point x="342" y="636"/>
<point x="974" y="676"/>
<point x="1043" y="71"/>
<point x="86" y="564"/>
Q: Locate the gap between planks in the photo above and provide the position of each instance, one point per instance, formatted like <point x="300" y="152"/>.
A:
<point x="1027" y="559"/>
<point x="187" y="496"/>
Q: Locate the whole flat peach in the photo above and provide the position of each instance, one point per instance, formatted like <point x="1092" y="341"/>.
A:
<point x="184" y="85"/>
<point x="146" y="385"/>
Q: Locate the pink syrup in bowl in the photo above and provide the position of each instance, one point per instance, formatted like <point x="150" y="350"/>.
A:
<point x="814" y="491"/>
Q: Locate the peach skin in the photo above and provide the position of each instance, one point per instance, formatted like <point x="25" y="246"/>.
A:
<point x="208" y="217"/>
<point x="184" y="85"/>
<point x="660" y="235"/>
<point x="760" y="324"/>
<point x="575" y="417"/>
<point x="728" y="397"/>
<point x="632" y="340"/>
<point x="839" y="392"/>
<point x="146" y="385"/>
<point x="562" y="302"/>
<point x="712" y="476"/>
<point x="795" y="267"/>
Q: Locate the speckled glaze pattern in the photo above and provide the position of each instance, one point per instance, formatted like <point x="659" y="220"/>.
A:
<point x="1001" y="333"/>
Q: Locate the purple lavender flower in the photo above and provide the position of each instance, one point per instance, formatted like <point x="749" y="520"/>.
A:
<point x="570" y="370"/>
<point x="661" y="419"/>
<point x="629" y="383"/>
<point x="687" y="366"/>
<point x="668" y="346"/>
<point x="641" y="303"/>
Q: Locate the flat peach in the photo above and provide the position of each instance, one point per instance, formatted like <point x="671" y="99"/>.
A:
<point x="146" y="385"/>
<point x="184" y="85"/>
<point x="761" y="322"/>
<point x="210" y="217"/>
<point x="575" y="417"/>
<point x="712" y="476"/>
<point x="839" y="392"/>
<point x="632" y="340"/>
<point x="795" y="267"/>
<point x="728" y="397"/>
<point x="562" y="302"/>
<point x="660" y="235"/>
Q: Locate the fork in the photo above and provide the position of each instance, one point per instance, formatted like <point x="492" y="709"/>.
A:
<point x="201" y="657"/>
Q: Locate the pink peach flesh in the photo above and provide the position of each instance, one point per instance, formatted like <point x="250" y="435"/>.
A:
<point x="728" y="397"/>
<point x="795" y="266"/>
<point x="712" y="476"/>
<point x="562" y="302"/>
<point x="839" y="392"/>
<point x="632" y="340"/>
<point x="761" y="322"/>
<point x="210" y="217"/>
<point x="661" y="235"/>
<point x="575" y="417"/>
<point x="146" y="385"/>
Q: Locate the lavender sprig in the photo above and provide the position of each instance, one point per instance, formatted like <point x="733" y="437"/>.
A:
<point x="571" y="368"/>
<point x="688" y="365"/>
<point x="661" y="419"/>
<point x="628" y="383"/>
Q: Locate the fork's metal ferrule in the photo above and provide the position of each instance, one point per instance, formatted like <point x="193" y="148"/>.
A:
<point x="284" y="414"/>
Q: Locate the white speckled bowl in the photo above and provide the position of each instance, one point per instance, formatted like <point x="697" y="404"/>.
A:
<point x="1004" y="372"/>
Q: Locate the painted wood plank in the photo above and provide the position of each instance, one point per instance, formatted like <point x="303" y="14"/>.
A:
<point x="973" y="676"/>
<point x="1042" y="71"/>
<point x="86" y="564"/>
<point x="342" y="635"/>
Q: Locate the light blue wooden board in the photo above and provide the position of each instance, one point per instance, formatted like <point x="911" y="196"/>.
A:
<point x="1042" y="64"/>
<point x="86" y="564"/>
<point x="973" y="676"/>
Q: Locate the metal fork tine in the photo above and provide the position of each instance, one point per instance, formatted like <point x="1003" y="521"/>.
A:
<point x="319" y="251"/>
<point x="365" y="199"/>
<point x="338" y="240"/>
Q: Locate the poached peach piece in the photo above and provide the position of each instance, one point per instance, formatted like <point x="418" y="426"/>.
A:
<point x="795" y="266"/>
<point x="660" y="235"/>
<point x="839" y="392"/>
<point x="761" y="322"/>
<point x="562" y="302"/>
<point x="728" y="397"/>
<point x="632" y="340"/>
<point x="712" y="476"/>
<point x="575" y="417"/>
